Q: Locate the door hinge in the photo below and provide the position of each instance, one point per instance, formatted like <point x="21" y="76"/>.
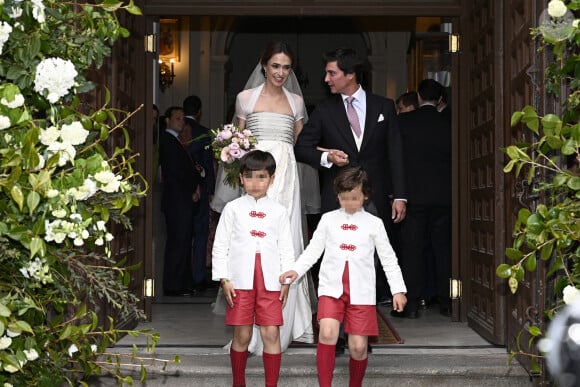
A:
<point x="148" y="287"/>
<point x="150" y="43"/>
<point x="455" y="289"/>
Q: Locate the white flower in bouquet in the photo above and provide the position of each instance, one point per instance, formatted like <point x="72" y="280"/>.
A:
<point x="231" y="143"/>
<point x="107" y="181"/>
<point x="49" y="135"/>
<point x="38" y="11"/>
<point x="31" y="354"/>
<point x="56" y="76"/>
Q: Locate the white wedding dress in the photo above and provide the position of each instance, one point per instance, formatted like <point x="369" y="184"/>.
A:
<point x="275" y="134"/>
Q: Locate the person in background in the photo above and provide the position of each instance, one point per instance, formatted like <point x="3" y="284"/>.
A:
<point x="252" y="246"/>
<point x="349" y="237"/>
<point x="427" y="161"/>
<point x="201" y="154"/>
<point x="179" y="203"/>
<point x="407" y="102"/>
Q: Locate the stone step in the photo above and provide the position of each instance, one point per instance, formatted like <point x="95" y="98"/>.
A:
<point x="387" y="367"/>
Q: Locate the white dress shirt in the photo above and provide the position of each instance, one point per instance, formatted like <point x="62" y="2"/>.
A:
<point x="351" y="238"/>
<point x="247" y="226"/>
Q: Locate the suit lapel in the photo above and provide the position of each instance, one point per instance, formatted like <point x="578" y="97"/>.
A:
<point x="371" y="119"/>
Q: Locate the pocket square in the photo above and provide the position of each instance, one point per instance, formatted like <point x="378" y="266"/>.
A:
<point x="381" y="118"/>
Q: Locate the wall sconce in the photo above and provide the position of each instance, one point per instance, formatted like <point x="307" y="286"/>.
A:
<point x="148" y="287"/>
<point x="166" y="74"/>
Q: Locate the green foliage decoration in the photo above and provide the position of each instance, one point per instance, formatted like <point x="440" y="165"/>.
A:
<point x="550" y="233"/>
<point x="60" y="193"/>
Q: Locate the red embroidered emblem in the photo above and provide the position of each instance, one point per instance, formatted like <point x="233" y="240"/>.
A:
<point x="352" y="227"/>
<point x="259" y="234"/>
<point x="345" y="246"/>
<point x="255" y="214"/>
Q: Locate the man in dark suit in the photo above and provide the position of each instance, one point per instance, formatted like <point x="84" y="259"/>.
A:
<point x="178" y="203"/>
<point x="363" y="134"/>
<point x="427" y="153"/>
<point x="201" y="154"/>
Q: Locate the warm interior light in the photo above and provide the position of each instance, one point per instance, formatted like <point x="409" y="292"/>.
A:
<point x="454" y="43"/>
<point x="166" y="73"/>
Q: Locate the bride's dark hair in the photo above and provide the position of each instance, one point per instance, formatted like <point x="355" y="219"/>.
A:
<point x="274" y="48"/>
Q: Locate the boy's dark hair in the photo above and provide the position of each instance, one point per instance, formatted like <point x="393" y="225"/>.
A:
<point x="349" y="178"/>
<point x="256" y="160"/>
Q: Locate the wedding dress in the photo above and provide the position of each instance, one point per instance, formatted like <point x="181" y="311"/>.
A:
<point x="275" y="134"/>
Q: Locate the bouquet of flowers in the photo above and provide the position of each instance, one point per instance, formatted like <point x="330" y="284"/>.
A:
<point x="229" y="144"/>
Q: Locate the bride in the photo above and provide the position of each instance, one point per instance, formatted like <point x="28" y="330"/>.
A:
<point x="271" y="106"/>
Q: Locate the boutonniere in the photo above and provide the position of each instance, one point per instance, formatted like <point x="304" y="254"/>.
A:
<point x="381" y="118"/>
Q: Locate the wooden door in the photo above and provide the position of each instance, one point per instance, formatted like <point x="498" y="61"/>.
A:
<point x="124" y="75"/>
<point x="501" y="77"/>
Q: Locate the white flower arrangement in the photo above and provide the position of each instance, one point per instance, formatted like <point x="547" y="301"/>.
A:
<point x="55" y="77"/>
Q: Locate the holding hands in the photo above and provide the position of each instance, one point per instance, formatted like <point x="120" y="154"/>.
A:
<point x="288" y="277"/>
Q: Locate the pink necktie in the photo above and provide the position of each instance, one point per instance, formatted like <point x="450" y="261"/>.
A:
<point x="352" y="116"/>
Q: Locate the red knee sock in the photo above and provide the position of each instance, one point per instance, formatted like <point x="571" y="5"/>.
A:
<point x="357" y="370"/>
<point x="325" y="358"/>
<point x="272" y="368"/>
<point x="239" y="360"/>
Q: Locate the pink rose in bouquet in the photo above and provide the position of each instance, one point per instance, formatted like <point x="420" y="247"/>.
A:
<point x="229" y="144"/>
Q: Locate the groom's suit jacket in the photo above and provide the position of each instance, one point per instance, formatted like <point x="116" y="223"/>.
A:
<point x="380" y="154"/>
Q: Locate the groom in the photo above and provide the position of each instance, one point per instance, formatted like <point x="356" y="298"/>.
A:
<point x="365" y="134"/>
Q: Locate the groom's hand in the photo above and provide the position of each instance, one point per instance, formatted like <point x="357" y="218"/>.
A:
<point x="398" y="211"/>
<point x="337" y="157"/>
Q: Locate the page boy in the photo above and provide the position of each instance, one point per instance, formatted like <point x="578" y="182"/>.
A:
<point x="252" y="247"/>
<point x="348" y="236"/>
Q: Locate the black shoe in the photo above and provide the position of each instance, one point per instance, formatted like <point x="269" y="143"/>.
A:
<point x="407" y="313"/>
<point x="201" y="287"/>
<point x="340" y="344"/>
<point x="178" y="293"/>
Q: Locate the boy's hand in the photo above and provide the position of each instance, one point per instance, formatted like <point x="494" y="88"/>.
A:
<point x="399" y="302"/>
<point x="284" y="294"/>
<point x="288" y="278"/>
<point x="229" y="292"/>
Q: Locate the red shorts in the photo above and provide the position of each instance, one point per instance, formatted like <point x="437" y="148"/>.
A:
<point x="256" y="305"/>
<point x="358" y="319"/>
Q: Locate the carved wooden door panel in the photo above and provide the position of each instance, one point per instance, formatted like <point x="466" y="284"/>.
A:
<point x="123" y="74"/>
<point x="523" y="86"/>
<point x="485" y="180"/>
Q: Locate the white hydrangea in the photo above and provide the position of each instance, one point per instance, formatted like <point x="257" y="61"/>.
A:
<point x="15" y="103"/>
<point x="109" y="182"/>
<point x="10" y="368"/>
<point x="38" y="10"/>
<point x="5" y="342"/>
<point x="59" y="213"/>
<point x="557" y="8"/>
<point x="570" y="294"/>
<point x="49" y="135"/>
<point x="74" y="133"/>
<point x="8" y="384"/>
<point x="5" y="31"/>
<point x="15" y="12"/>
<point x="4" y="122"/>
<point x="10" y="333"/>
<point x="72" y="350"/>
<point x="38" y="270"/>
<point x="65" y="151"/>
<point x="55" y="75"/>
<point x="52" y="193"/>
<point x="31" y="354"/>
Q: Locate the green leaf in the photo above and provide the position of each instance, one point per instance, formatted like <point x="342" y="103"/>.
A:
<point x="569" y="148"/>
<point x="36" y="246"/>
<point x="513" y="254"/>
<point x="530" y="118"/>
<point x="530" y="263"/>
<point x="516" y="118"/>
<point x="560" y="179"/>
<point x="574" y="183"/>
<point x="551" y="123"/>
<point x="535" y="331"/>
<point x="535" y="224"/>
<point x="4" y="311"/>
<point x="32" y="201"/>
<point x="509" y="166"/>
<point x="17" y="196"/>
<point x="503" y="270"/>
